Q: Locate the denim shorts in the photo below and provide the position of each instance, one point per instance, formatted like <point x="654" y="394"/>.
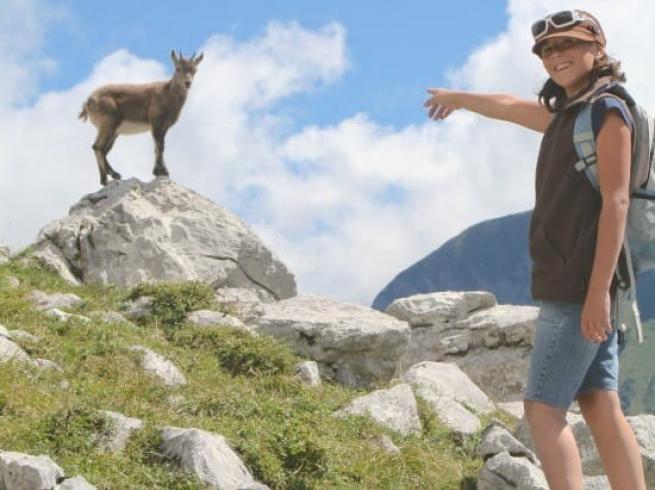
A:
<point x="563" y="364"/>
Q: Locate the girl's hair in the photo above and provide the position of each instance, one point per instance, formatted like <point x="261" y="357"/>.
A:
<point x="553" y="97"/>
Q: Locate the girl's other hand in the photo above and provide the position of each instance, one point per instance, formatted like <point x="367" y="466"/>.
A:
<point x="440" y="105"/>
<point x="595" y="318"/>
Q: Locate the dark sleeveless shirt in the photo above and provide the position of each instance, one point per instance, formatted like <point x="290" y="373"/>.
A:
<point x="564" y="223"/>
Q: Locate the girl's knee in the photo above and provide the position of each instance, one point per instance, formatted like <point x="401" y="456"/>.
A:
<point x="537" y="411"/>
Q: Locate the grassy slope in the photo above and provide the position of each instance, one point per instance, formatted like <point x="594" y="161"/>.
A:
<point x="238" y="386"/>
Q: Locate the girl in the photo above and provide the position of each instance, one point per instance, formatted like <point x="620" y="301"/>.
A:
<point x="575" y="242"/>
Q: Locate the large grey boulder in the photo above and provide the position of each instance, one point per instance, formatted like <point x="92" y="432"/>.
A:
<point x="209" y="457"/>
<point x="159" y="367"/>
<point x="432" y="317"/>
<point x="394" y="408"/>
<point x="355" y="345"/>
<point x="450" y="395"/>
<point x="491" y="343"/>
<point x="131" y="232"/>
<point x="496" y="438"/>
<point x="448" y="380"/>
<point x="20" y="471"/>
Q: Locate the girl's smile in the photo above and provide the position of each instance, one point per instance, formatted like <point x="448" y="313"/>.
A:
<point x="568" y="62"/>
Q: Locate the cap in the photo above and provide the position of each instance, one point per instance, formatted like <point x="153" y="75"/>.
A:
<point x="588" y="29"/>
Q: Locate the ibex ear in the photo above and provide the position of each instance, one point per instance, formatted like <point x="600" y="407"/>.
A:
<point x="173" y="56"/>
<point x="198" y="59"/>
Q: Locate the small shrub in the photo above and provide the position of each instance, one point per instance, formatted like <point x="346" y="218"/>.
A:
<point x="172" y="301"/>
<point x="73" y="430"/>
<point x="239" y="352"/>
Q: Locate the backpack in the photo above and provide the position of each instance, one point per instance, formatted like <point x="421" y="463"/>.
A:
<point x="639" y="241"/>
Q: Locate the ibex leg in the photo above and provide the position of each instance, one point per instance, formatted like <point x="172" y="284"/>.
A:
<point x="160" y="169"/>
<point x="114" y="175"/>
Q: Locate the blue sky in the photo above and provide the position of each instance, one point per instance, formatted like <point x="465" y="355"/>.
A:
<point x="396" y="49"/>
<point x="305" y="118"/>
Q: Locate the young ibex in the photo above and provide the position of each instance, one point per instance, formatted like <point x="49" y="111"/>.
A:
<point x="136" y="108"/>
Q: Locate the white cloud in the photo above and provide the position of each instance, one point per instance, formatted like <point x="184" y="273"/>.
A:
<point x="346" y="206"/>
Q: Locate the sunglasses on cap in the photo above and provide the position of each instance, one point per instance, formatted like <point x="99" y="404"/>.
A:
<point x="559" y="20"/>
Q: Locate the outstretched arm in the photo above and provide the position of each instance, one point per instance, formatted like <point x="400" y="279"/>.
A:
<point x="523" y="112"/>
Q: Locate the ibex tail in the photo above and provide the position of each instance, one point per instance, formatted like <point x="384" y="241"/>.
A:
<point x="83" y="115"/>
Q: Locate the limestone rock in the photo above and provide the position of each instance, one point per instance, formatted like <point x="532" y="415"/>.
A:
<point x="75" y="483"/>
<point x="353" y="344"/>
<point x="131" y="232"/>
<point x="394" y="408"/>
<point x="111" y="317"/>
<point x="501" y="324"/>
<point x="5" y="254"/>
<point x="501" y="372"/>
<point x="439" y="308"/>
<point x="4" y="332"/>
<point x="460" y="420"/>
<point x="44" y="301"/>
<point x="23" y="336"/>
<point x="209" y="457"/>
<point x="496" y="439"/>
<point x="20" y="471"/>
<point x="10" y="351"/>
<point x="506" y="471"/>
<point x="596" y="483"/>
<point x="515" y="409"/>
<point x="48" y="255"/>
<point x="308" y="372"/>
<point x="62" y="316"/>
<point x="10" y="282"/>
<point x="139" y="308"/>
<point x="45" y="364"/>
<point x="447" y="380"/>
<point x="159" y="367"/>
<point x="208" y="317"/>
<point x="120" y="430"/>
<point x="591" y="462"/>
<point x="387" y="444"/>
<point x="644" y="428"/>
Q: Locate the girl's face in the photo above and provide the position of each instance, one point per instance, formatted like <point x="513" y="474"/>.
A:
<point x="568" y="62"/>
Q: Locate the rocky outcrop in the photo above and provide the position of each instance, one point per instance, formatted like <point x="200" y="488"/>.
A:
<point x="491" y="343"/>
<point x="353" y="344"/>
<point x="131" y="232"/>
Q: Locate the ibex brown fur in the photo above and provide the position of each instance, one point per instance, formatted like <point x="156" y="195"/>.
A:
<point x="137" y="108"/>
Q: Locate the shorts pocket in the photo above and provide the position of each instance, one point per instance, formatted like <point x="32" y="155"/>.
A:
<point x="553" y="313"/>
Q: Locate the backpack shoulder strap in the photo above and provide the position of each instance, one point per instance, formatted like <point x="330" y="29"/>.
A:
<point x="585" y="141"/>
<point x="585" y="144"/>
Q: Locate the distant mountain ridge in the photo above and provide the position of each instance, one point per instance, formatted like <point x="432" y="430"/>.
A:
<point x="489" y="256"/>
